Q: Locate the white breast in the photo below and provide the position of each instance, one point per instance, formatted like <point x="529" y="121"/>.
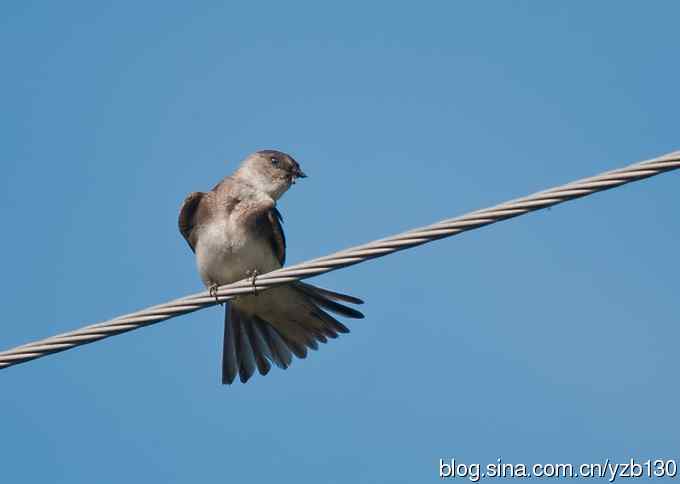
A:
<point x="225" y="253"/>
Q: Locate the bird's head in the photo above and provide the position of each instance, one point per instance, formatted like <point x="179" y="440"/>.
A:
<point x="270" y="171"/>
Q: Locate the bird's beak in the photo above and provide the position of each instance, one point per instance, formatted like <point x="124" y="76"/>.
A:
<point x="296" y="173"/>
<point x="300" y="174"/>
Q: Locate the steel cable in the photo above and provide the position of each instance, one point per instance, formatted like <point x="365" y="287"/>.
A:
<point x="344" y="258"/>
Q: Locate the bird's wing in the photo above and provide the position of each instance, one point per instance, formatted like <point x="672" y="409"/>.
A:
<point x="269" y="226"/>
<point x="188" y="217"/>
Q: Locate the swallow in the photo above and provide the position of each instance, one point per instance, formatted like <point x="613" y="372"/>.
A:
<point x="235" y="231"/>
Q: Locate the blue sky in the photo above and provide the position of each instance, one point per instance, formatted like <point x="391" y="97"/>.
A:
<point x="549" y="338"/>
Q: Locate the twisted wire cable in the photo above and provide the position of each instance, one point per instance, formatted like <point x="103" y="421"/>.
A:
<point x="344" y="258"/>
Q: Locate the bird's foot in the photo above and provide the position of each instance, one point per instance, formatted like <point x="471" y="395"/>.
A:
<point x="213" y="292"/>
<point x="253" y="277"/>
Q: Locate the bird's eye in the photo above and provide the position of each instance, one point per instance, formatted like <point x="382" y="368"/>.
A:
<point x="275" y="161"/>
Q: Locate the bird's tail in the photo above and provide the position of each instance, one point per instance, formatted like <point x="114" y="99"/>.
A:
<point x="273" y="326"/>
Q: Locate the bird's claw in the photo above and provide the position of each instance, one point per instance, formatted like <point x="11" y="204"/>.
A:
<point x="253" y="277"/>
<point x="213" y="292"/>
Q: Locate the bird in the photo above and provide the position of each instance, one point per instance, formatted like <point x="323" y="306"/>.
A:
<point x="235" y="231"/>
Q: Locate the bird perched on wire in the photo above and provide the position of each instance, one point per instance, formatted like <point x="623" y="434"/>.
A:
<point x="235" y="231"/>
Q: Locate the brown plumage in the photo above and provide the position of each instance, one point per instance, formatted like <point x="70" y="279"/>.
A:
<point x="236" y="229"/>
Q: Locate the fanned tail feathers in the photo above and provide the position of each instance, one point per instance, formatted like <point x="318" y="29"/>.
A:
<point x="251" y="342"/>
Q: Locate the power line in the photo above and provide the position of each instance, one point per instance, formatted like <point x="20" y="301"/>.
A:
<point x="344" y="258"/>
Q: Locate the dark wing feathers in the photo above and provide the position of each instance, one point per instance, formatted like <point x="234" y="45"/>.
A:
<point x="250" y="342"/>
<point x="269" y="225"/>
<point x="188" y="217"/>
